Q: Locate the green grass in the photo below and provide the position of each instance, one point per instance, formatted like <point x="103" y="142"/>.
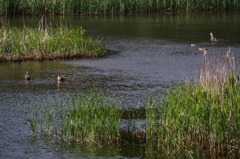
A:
<point x="205" y="114"/>
<point x="19" y="44"/>
<point x="36" y="7"/>
<point x="190" y="115"/>
<point x="90" y="119"/>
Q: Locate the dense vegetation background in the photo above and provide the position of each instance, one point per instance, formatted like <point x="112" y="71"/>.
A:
<point x="110" y="6"/>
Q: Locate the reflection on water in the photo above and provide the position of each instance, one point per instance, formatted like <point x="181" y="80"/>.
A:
<point x="194" y="27"/>
<point x="155" y="50"/>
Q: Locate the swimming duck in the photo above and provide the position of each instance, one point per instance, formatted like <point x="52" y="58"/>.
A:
<point x="212" y="38"/>
<point x="27" y="77"/>
<point x="61" y="78"/>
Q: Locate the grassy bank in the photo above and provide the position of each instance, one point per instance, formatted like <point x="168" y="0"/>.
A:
<point x="20" y="44"/>
<point x="35" y="7"/>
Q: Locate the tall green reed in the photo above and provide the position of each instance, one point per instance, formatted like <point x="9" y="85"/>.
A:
<point x="90" y="118"/>
<point x="151" y="119"/>
<point x="203" y="114"/>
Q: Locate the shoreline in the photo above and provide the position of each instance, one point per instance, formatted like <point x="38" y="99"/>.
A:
<point x="65" y="56"/>
<point x="37" y="44"/>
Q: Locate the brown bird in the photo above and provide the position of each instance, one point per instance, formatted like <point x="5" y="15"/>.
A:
<point x="203" y="50"/>
<point x="212" y="38"/>
<point x="27" y="76"/>
<point x="61" y="78"/>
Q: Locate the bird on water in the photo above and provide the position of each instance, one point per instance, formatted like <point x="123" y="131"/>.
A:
<point x="212" y="38"/>
<point x="61" y="78"/>
<point x="27" y="76"/>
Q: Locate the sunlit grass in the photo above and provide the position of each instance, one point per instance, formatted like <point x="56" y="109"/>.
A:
<point x="19" y="44"/>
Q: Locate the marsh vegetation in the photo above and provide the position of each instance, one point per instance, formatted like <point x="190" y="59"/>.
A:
<point x="86" y="7"/>
<point x="21" y="44"/>
<point x="89" y="119"/>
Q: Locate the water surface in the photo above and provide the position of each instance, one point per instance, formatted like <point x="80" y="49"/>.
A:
<point x="155" y="51"/>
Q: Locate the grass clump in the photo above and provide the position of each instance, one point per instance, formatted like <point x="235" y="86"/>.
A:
<point x="87" y="118"/>
<point x="205" y="114"/>
<point x="20" y="44"/>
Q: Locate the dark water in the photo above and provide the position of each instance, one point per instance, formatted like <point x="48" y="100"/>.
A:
<point x="155" y="50"/>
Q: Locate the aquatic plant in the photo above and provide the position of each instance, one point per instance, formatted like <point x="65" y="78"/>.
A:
<point x="215" y="72"/>
<point x="90" y="118"/>
<point x="152" y="114"/>
<point x="19" y="44"/>
<point x="38" y="7"/>
<point x="203" y="114"/>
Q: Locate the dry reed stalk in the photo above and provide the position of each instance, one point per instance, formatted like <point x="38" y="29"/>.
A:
<point x="215" y="71"/>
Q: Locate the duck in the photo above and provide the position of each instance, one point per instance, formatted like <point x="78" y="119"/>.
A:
<point x="204" y="50"/>
<point x="61" y="78"/>
<point x="27" y="76"/>
<point x="212" y="38"/>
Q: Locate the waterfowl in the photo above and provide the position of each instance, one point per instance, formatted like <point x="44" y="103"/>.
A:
<point x="27" y="77"/>
<point x="212" y="38"/>
<point x="204" y="50"/>
<point x="61" y="78"/>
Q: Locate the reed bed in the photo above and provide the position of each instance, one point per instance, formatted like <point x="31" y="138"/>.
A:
<point x="20" y="44"/>
<point x="89" y="119"/>
<point x="216" y="72"/>
<point x="83" y="7"/>
<point x="203" y="114"/>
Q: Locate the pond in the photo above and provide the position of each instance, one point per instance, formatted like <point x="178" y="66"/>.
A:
<point x="155" y="51"/>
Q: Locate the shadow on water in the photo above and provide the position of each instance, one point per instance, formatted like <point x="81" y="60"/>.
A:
<point x="155" y="51"/>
